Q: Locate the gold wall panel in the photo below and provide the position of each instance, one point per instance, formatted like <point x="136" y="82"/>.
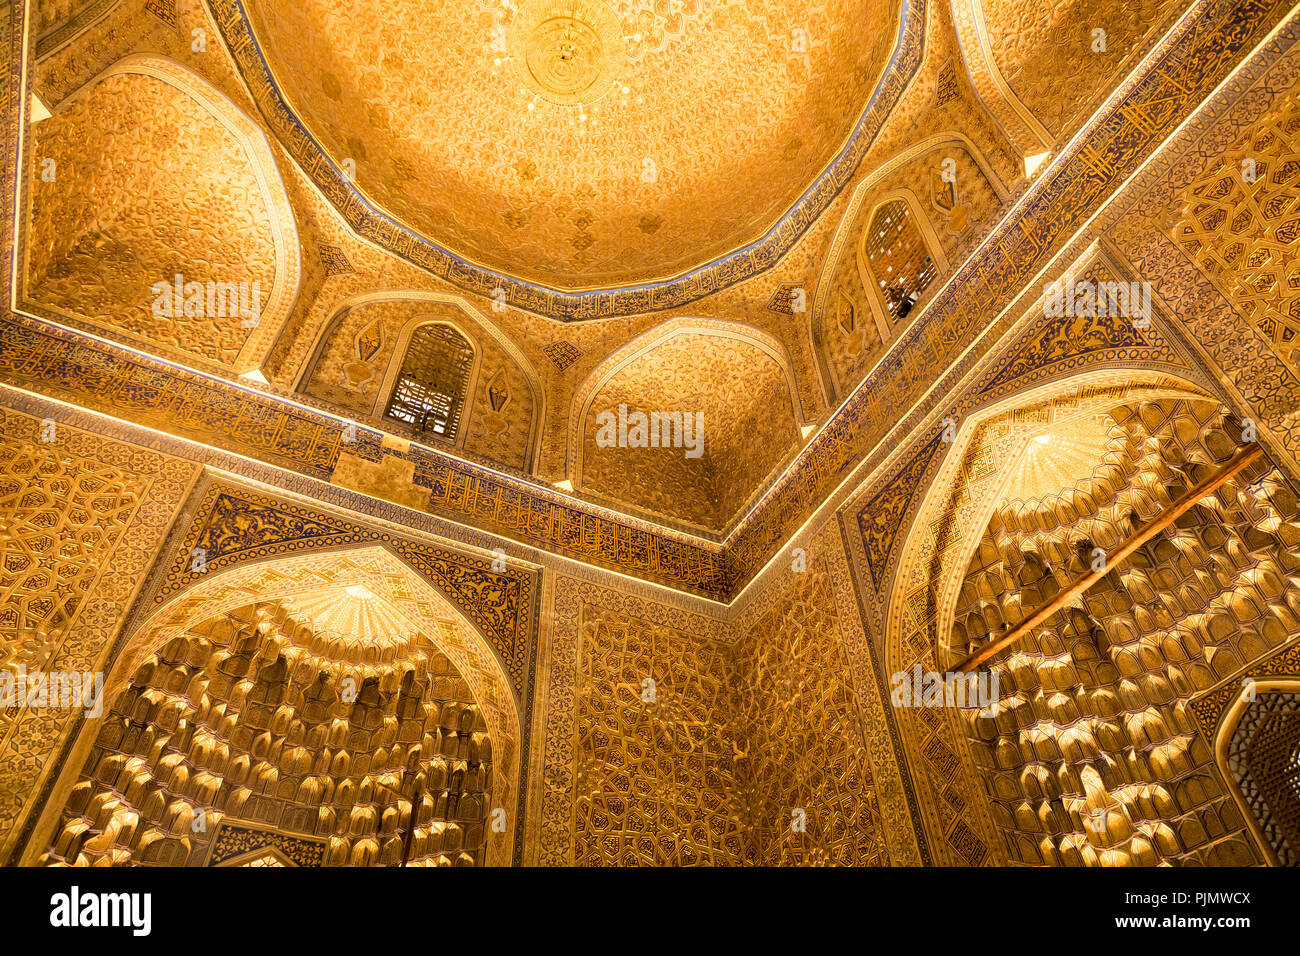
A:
<point x="1044" y="50"/>
<point x="655" y="782"/>
<point x="1239" y="221"/>
<point x="803" y="743"/>
<point x="752" y="720"/>
<point x="81" y="520"/>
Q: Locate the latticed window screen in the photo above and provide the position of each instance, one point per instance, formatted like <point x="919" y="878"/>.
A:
<point x="430" y="390"/>
<point x="900" y="262"/>
<point x="1264" y="756"/>
<point x="266" y="859"/>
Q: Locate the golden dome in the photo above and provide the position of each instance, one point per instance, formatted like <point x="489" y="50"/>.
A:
<point x="579" y="144"/>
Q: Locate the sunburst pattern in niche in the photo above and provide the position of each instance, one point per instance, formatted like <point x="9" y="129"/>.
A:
<point x="358" y="617"/>
<point x="328" y="729"/>
<point x="1069" y="456"/>
<point x="660" y="136"/>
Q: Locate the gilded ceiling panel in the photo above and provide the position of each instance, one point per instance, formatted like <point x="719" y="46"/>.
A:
<point x="1057" y="56"/>
<point x="581" y="145"/>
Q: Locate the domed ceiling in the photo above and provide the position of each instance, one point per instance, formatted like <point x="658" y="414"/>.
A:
<point x="579" y="144"/>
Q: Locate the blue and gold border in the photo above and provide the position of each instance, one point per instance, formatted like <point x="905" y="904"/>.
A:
<point x="112" y="380"/>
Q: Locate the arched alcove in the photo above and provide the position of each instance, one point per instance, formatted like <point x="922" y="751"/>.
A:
<point x="950" y="192"/>
<point x="735" y="380"/>
<point x="303" y="704"/>
<point x="1031" y="487"/>
<point x="157" y="214"/>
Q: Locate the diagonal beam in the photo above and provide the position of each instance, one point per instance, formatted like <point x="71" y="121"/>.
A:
<point x="1242" y="459"/>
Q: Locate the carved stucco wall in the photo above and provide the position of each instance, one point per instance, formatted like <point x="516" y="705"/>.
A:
<point x="655" y="764"/>
<point x="1239" y="222"/>
<point x="753" y="752"/>
<point x="81" y="519"/>
<point x="795" y="721"/>
<point x="800" y="722"/>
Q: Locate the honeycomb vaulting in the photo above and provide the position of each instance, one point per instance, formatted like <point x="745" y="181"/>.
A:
<point x="247" y="719"/>
<point x="1094" y="756"/>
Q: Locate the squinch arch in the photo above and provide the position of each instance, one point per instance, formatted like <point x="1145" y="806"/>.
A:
<point x="258" y="224"/>
<point x="737" y="379"/>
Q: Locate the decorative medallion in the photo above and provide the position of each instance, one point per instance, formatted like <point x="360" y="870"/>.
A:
<point x="569" y="52"/>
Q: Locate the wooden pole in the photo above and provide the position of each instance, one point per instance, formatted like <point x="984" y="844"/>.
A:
<point x="408" y="839"/>
<point x="1242" y="459"/>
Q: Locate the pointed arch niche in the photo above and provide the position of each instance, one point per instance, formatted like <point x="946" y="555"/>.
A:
<point x="740" y="383"/>
<point x="991" y="541"/>
<point x="298" y="704"/>
<point x="357" y="358"/>
<point x="849" y="325"/>
<point x="900" y="257"/>
<point x="147" y="172"/>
